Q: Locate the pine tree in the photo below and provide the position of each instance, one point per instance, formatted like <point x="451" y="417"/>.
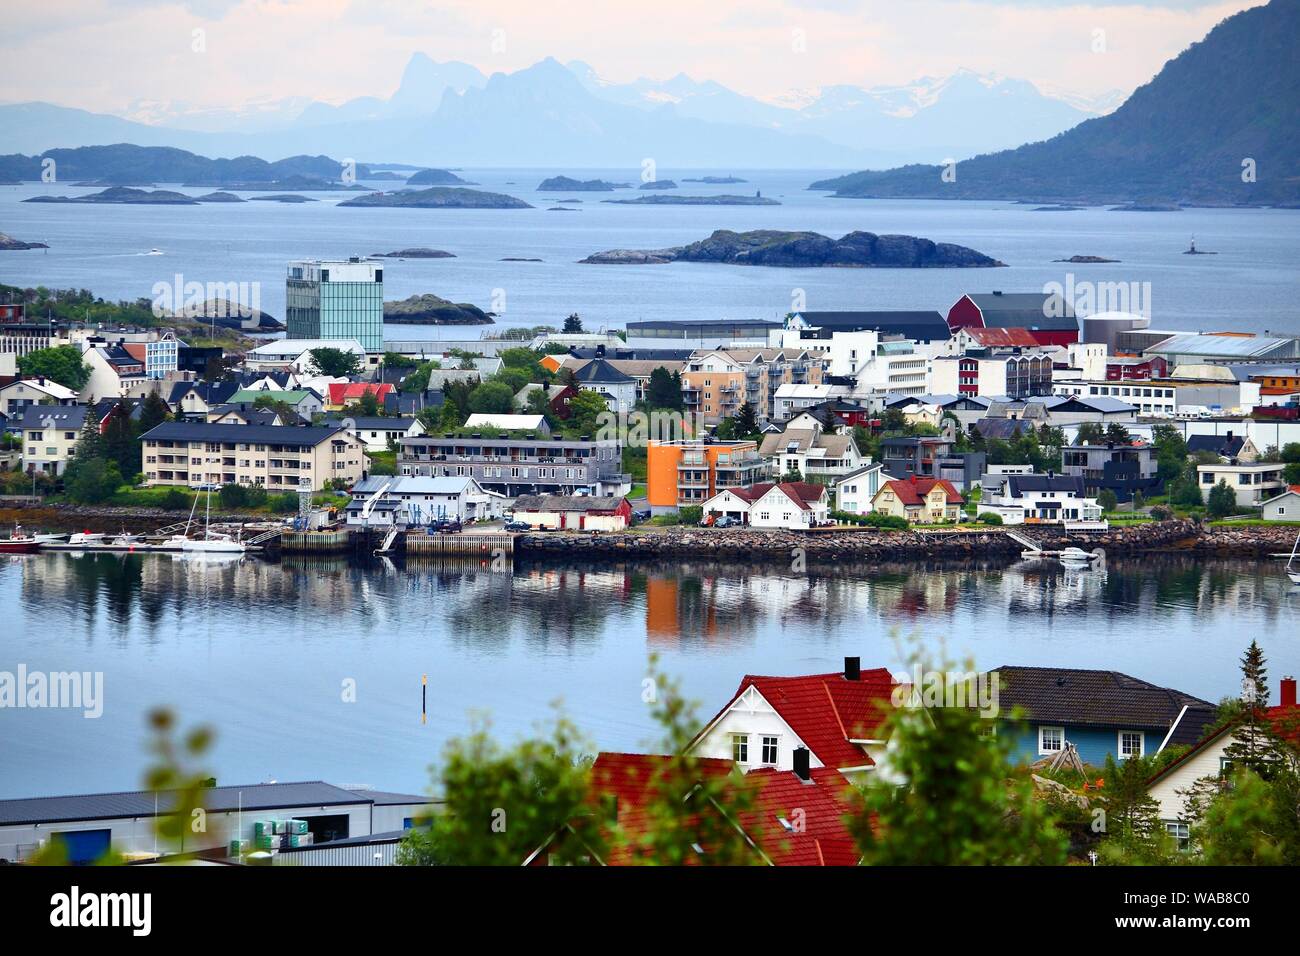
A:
<point x="1253" y="746"/>
<point x="90" y="444"/>
<point x="746" y="420"/>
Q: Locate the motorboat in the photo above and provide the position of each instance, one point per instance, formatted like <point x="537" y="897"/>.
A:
<point x="1076" y="557"/>
<point x="86" y="539"/>
<point x="19" y="542"/>
<point x="50" y="537"/>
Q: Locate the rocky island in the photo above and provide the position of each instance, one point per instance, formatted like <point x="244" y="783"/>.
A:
<point x="10" y="244"/>
<point x="439" y="197"/>
<point x="429" y="309"/>
<point x="768" y="247"/>
<point x="717" y="180"/>
<point x="420" y="253"/>
<point x="658" y="184"/>
<point x="125" y="195"/>
<point x="565" y="184"/>
<point x="437" y="177"/>
<point x="1078" y="260"/>
<point x="282" y="197"/>
<point x="695" y="201"/>
<point x="219" y="196"/>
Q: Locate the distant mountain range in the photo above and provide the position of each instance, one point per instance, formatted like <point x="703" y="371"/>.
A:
<point x="451" y="114"/>
<point x="1220" y="123"/>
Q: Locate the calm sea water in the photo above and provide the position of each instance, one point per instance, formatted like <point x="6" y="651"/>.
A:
<point x="1250" y="285"/>
<point x="261" y="650"/>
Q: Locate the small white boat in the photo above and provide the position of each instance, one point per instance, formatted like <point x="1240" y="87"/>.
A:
<point x="87" y="538"/>
<point x="1292" y="569"/>
<point x="1076" y="557"/>
<point x="52" y="537"/>
<point x="154" y="252"/>
<point x="212" y="543"/>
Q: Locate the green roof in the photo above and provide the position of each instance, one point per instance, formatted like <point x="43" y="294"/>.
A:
<point x="249" y="395"/>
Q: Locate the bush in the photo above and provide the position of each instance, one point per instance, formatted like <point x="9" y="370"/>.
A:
<point x="691" y="514"/>
<point x="284" y="503"/>
<point x="1161" y="513"/>
<point x="990" y="517"/>
<point x="234" y="496"/>
<point x="872" y="519"/>
<point x="1107" y="500"/>
<point x="173" y="499"/>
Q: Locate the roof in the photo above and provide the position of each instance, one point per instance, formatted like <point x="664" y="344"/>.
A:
<point x="925" y="325"/>
<point x="912" y="491"/>
<point x="1229" y="446"/>
<point x="343" y="392"/>
<point x="414" y="485"/>
<point x="46" y="385"/>
<point x="858" y="472"/>
<point x="1241" y="346"/>
<point x="269" y="434"/>
<point x="53" y="416"/>
<point x="600" y="371"/>
<point x="1285" y="721"/>
<point x="140" y="803"/>
<point x="1042" y="311"/>
<point x="375" y="422"/>
<point x="826" y="711"/>
<point x="1100" y="698"/>
<point x="525" y="422"/>
<point x="567" y="503"/>
<point x="296" y="347"/>
<point x="1020" y="484"/>
<point x="254" y="416"/>
<point x="213" y="393"/>
<point x="288" y="396"/>
<point x="1003" y="337"/>
<point x="1003" y="429"/>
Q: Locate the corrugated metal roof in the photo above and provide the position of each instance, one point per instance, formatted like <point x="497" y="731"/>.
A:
<point x="1230" y="345"/>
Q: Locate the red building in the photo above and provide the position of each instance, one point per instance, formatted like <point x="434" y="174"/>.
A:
<point x="1047" y="316"/>
<point x="1136" y="369"/>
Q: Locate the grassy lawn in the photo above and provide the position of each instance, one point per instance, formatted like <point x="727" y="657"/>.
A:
<point x="1253" y="523"/>
<point x="382" y="462"/>
<point x="638" y="491"/>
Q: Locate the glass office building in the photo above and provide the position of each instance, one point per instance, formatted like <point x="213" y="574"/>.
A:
<point x="336" y="300"/>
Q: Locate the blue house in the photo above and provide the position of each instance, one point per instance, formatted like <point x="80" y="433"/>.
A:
<point x="1102" y="713"/>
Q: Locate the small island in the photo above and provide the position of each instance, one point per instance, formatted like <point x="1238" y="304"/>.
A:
<point x="10" y="244"/>
<point x="769" y="247"/>
<point x="565" y="184"/>
<point x="219" y="196"/>
<point x="437" y="177"/>
<point x="429" y="309"/>
<point x="658" y="184"/>
<point x="419" y="253"/>
<point x="282" y="197"/>
<point x="562" y="209"/>
<point x="288" y="184"/>
<point x="717" y="180"/>
<point x="1079" y="260"/>
<point x="695" y="201"/>
<point x="439" y="197"/>
<point x="1057" y="207"/>
<point x="1147" y="207"/>
<point x="126" y="195"/>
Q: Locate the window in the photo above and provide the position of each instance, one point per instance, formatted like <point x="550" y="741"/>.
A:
<point x="769" y="750"/>
<point x="1051" y="739"/>
<point x="740" y="748"/>
<point x="1130" y="743"/>
<point x="1180" y="832"/>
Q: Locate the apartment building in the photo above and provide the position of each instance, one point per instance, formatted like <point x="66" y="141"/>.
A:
<point x="274" y="457"/>
<point x="50" y="434"/>
<point x="715" y="383"/>
<point x="689" y="472"/>
<point x="519" y="464"/>
<point x="16" y="396"/>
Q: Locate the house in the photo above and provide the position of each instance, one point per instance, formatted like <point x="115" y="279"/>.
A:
<point x="793" y="817"/>
<point x="812" y="453"/>
<point x="932" y="457"/>
<point x="380" y="433"/>
<point x="1102" y="713"/>
<point x="194" y="399"/>
<point x="50" y="436"/>
<point x="416" y="500"/>
<point x="519" y="464"/>
<point x="526" y="423"/>
<point x="854" y="491"/>
<point x="1227" y="446"/>
<point x="1123" y="469"/>
<point x="113" y="369"/>
<point x="1047" y="316"/>
<point x="342" y="394"/>
<point x="792" y="505"/>
<point x="836" y="717"/>
<point x="295" y="354"/>
<point x="716" y="382"/>
<point x="919" y="500"/>
<point x="1054" y="499"/>
<point x="244" y="414"/>
<point x="1283" y="507"/>
<point x="89" y="825"/>
<point x="1207" y="760"/>
<point x="618" y="389"/>
<point x="558" y="397"/>
<point x="1253" y="484"/>
<point x="17" y="395"/>
<point x="274" y="457"/>
<point x="690" y="471"/>
<point x="303" y="401"/>
<point x="574" y="512"/>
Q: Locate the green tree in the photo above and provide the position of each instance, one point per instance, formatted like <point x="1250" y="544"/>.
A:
<point x="951" y="796"/>
<point x="451" y="417"/>
<point x="1118" y="434"/>
<point x="585" y="410"/>
<point x="1250" y="820"/>
<point x="747" y="422"/>
<point x="90" y="444"/>
<point x="1134" y="833"/>
<point x="1171" y="452"/>
<point x="1107" y="500"/>
<point x="573" y="324"/>
<point x="1221" y="501"/>
<point x="122" y="443"/>
<point x="338" y="363"/>
<point x="1089" y="433"/>
<point x="492" y="398"/>
<point x="91" y="480"/>
<point x="664" y="390"/>
<point x="153" y="412"/>
<point x="61" y="363"/>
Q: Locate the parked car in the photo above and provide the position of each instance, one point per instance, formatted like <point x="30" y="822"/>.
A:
<point x="641" y="516"/>
<point x="726" y="521"/>
<point x="447" y="525"/>
<point x="518" y="526"/>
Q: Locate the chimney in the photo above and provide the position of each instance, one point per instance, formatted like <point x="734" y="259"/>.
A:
<point x="802" y="770"/>
<point x="1288" y="692"/>
<point x="852" y="668"/>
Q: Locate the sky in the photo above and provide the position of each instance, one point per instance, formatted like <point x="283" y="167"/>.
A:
<point x="122" y="56"/>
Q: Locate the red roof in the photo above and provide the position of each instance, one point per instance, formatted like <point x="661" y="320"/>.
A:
<point x="1003" y="337"/>
<point x="343" y="392"/>
<point x="802" y="493"/>
<point x="912" y="491"/>
<point x="826" y="711"/>
<point x="814" y="810"/>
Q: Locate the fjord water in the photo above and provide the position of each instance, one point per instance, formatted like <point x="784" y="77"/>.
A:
<point x="262" y="651"/>
<point x="1250" y="285"/>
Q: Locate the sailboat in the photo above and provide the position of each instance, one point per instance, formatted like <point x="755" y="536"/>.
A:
<point x="212" y="542"/>
<point x="1292" y="569"/>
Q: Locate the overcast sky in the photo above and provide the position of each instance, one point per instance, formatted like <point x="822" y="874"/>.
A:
<point x="114" y="55"/>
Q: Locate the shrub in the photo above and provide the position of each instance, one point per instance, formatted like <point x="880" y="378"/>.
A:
<point x="1161" y="513"/>
<point x="691" y="514"/>
<point x="990" y="517"/>
<point x="234" y="496"/>
<point x="1107" y="500"/>
<point x="173" y="499"/>
<point x="284" y="503"/>
<point x="887" y="522"/>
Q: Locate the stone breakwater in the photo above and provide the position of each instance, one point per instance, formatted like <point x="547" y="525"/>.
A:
<point x="855" y="546"/>
<point x="1254" y="540"/>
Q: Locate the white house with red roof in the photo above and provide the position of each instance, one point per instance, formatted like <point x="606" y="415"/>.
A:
<point x="793" y="505"/>
<point x="837" y="717"/>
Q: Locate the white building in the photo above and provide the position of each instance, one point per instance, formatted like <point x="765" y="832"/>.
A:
<point x="380" y="432"/>
<point x="527" y="423"/>
<point x="812" y="452"/>
<point x="382" y="500"/>
<point x="50" y="436"/>
<point x="16" y="396"/>
<point x="790" y="505"/>
<point x="1285" y="507"/>
<point x="854" y="491"/>
<point x="295" y="354"/>
<point x="1055" y="499"/>
<point x="1252" y="483"/>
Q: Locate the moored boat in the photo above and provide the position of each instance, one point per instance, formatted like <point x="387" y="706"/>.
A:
<point x="19" y="542"/>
